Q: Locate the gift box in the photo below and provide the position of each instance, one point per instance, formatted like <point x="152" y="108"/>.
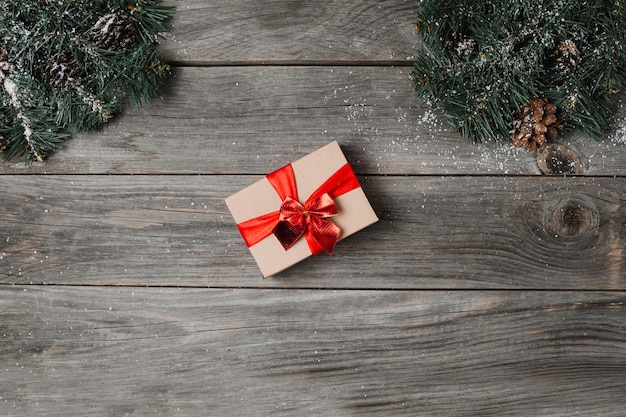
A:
<point x="301" y="209"/>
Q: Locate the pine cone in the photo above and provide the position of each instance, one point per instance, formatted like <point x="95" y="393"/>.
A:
<point x="566" y="57"/>
<point x="114" y="32"/>
<point x="62" y="71"/>
<point x="536" y="124"/>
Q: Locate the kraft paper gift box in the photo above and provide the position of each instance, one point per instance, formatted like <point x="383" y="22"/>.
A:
<point x="301" y="209"/>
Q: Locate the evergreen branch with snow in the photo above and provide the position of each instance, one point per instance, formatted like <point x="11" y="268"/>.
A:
<point x="70" y="65"/>
<point x="487" y="65"/>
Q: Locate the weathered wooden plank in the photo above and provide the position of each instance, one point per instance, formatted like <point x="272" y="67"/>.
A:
<point x="302" y="31"/>
<point x="435" y="232"/>
<point x="107" y="351"/>
<point x="242" y="119"/>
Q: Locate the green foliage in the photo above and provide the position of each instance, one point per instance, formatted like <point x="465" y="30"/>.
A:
<point x="481" y="61"/>
<point x="70" y="65"/>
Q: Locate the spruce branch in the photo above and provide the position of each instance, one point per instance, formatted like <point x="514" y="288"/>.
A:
<point x="67" y="66"/>
<point x="24" y="121"/>
<point x="484" y="62"/>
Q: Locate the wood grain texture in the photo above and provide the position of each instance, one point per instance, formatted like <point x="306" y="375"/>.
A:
<point x="435" y="232"/>
<point x="242" y="119"/>
<point x="291" y="31"/>
<point x="106" y="351"/>
<point x="133" y="293"/>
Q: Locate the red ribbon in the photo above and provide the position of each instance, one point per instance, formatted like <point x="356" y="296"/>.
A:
<point x="294" y="220"/>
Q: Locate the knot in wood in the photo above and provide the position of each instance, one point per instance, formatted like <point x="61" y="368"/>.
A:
<point x="574" y="217"/>
<point x="557" y="159"/>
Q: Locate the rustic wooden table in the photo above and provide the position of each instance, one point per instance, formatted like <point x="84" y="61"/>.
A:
<point x="485" y="289"/>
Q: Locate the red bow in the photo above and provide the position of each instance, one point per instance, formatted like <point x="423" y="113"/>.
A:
<point x="294" y="220"/>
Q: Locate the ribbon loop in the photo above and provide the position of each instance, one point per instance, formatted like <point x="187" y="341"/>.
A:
<point x="292" y="223"/>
